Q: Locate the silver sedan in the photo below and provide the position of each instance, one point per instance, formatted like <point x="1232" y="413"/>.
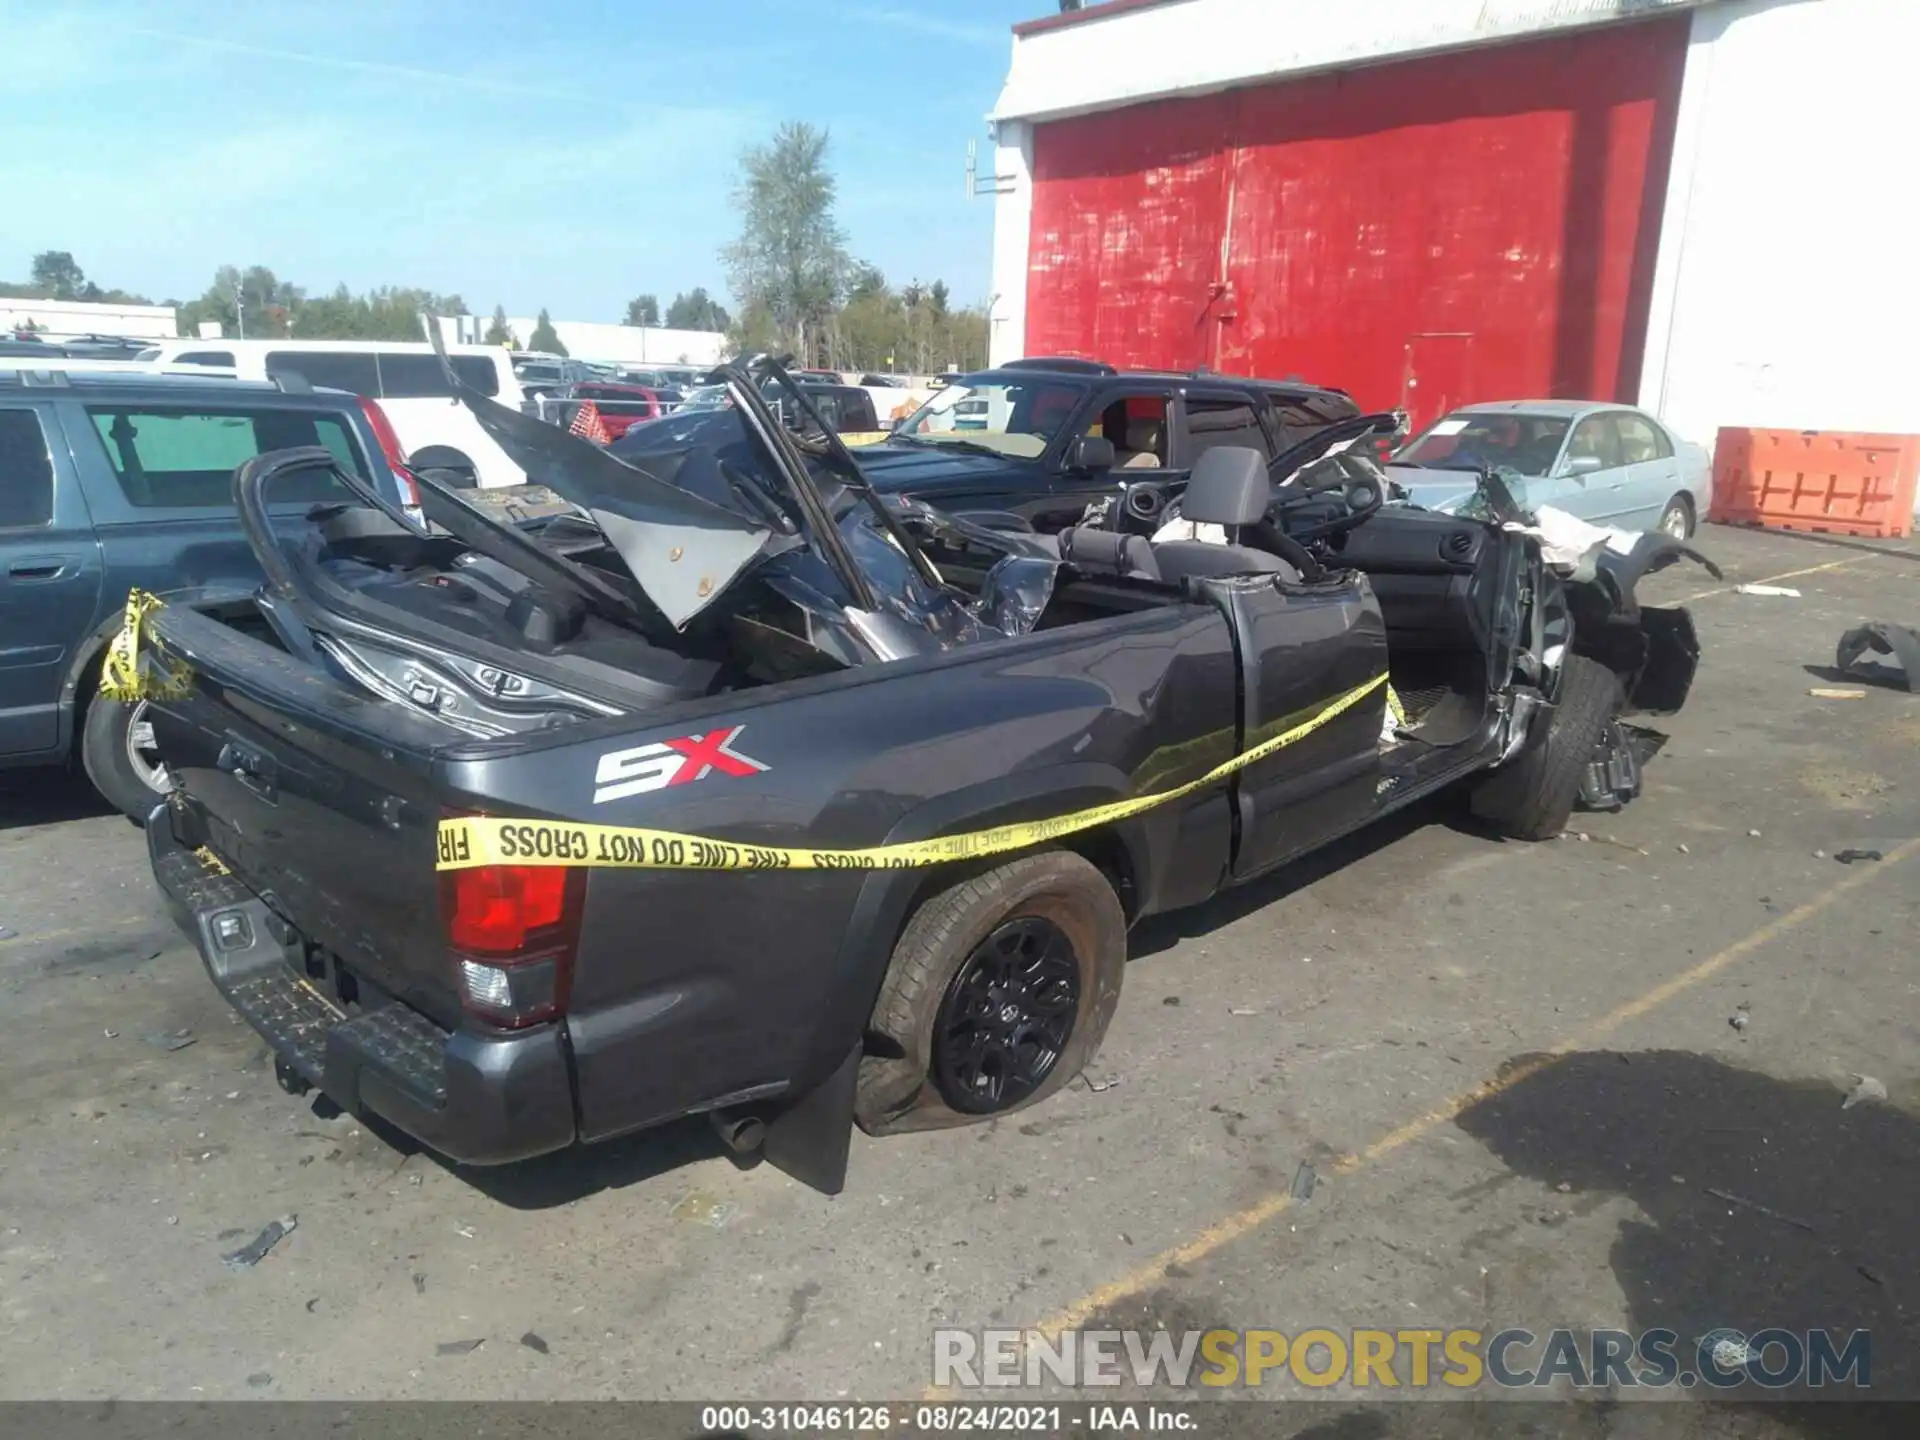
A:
<point x="1608" y="464"/>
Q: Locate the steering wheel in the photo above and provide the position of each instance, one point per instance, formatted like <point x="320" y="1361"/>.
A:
<point x="1348" y="499"/>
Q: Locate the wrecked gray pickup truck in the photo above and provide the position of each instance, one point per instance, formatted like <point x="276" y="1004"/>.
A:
<point x="745" y="791"/>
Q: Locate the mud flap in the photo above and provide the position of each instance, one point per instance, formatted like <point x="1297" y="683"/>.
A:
<point x="812" y="1138"/>
<point x="1672" y="657"/>
<point x="1883" y="639"/>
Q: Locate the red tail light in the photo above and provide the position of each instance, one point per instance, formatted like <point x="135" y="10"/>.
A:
<point x="511" y="935"/>
<point x="389" y="441"/>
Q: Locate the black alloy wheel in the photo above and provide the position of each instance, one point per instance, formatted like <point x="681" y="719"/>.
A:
<point x="1006" y="1017"/>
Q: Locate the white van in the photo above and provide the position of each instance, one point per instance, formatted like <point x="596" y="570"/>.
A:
<point x="403" y="376"/>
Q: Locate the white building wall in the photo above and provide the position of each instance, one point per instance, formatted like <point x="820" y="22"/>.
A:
<point x="1101" y="61"/>
<point x="1012" y="225"/>
<point x="61" y="318"/>
<point x="1785" y="293"/>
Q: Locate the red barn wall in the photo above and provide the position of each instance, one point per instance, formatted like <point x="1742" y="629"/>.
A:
<point x="1476" y="225"/>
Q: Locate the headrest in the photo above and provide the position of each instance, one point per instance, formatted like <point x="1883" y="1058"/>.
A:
<point x="1229" y="486"/>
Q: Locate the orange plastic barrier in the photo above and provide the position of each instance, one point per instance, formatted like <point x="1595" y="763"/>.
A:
<point x="1818" y="480"/>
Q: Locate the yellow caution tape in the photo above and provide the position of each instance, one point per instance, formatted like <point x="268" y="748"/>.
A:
<point x="122" y="676"/>
<point x="1395" y="708"/>
<point x="491" y="840"/>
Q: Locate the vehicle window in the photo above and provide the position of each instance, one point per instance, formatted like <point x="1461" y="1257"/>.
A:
<point x="1015" y="419"/>
<point x="1214" y="421"/>
<point x="328" y="369"/>
<point x="1525" y="444"/>
<point x="419" y="377"/>
<point x="1595" y="435"/>
<point x="26" y="471"/>
<point x="1137" y="426"/>
<point x="185" y="459"/>
<point x="1638" y="439"/>
<point x="202" y="357"/>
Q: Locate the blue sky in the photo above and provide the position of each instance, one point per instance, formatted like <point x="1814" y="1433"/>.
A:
<point x="565" y="153"/>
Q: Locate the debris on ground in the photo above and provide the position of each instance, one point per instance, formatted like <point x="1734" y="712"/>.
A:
<point x="1170" y="1000"/>
<point x="1759" y="1209"/>
<point x="457" y="1347"/>
<point x="1848" y="856"/>
<point x="111" y="1034"/>
<point x="1865" y="1088"/>
<point x="252" y="1253"/>
<point x="168" y="1039"/>
<point x="1785" y="592"/>
<point x="1883" y="639"/>
<point x="313" y="1304"/>
<point x="701" y="1208"/>
<point x="1683" y="849"/>
<point x="1620" y="844"/>
<point x="1829" y="692"/>
<point x="1753" y="834"/>
<point x="534" y="1343"/>
<point x="1738" y="1022"/>
<point x="8" y="934"/>
<point x="419" y="1283"/>
<point x="1242" y="1010"/>
<point x="1304" y="1179"/>
<point x="259" y="1380"/>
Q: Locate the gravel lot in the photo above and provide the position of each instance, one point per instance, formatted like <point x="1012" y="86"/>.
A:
<point x="1341" y="1014"/>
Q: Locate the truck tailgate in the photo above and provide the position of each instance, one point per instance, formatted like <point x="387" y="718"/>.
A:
<point x="319" y="797"/>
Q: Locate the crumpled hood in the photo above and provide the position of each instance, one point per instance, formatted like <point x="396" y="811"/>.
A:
<point x="682" y="543"/>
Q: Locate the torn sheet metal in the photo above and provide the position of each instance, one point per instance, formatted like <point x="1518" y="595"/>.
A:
<point x="683" y="548"/>
<point x="1012" y="595"/>
<point x="1882" y="639"/>
<point x="1584" y="552"/>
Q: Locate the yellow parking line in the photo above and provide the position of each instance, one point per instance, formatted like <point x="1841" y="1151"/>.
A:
<point x="1774" y="579"/>
<point x="1222" y="1232"/>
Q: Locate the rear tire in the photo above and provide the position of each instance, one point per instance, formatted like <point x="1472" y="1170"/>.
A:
<point x="1531" y="797"/>
<point x="998" y="993"/>
<point x="1676" y="521"/>
<point x="116" y="752"/>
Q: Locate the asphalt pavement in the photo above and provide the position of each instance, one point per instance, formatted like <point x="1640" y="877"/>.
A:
<point x="1590" y="1083"/>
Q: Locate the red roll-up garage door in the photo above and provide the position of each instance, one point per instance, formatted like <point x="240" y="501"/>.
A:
<point x="1476" y="225"/>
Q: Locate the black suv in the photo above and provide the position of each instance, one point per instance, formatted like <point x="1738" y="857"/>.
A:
<point x="1042" y="439"/>
<point x="110" y="480"/>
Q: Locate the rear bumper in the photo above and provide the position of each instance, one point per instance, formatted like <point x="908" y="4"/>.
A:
<point x="477" y="1098"/>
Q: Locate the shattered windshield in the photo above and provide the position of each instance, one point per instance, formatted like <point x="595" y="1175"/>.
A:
<point x="1017" y="419"/>
<point x="1524" y="444"/>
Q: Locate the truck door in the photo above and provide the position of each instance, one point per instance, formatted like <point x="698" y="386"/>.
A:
<point x="1301" y="647"/>
<point x="49" y="580"/>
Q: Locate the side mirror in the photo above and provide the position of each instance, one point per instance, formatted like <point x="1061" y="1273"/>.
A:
<point x="1580" y="466"/>
<point x="1090" y="452"/>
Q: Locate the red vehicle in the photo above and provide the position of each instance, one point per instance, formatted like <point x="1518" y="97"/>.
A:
<point x="621" y="406"/>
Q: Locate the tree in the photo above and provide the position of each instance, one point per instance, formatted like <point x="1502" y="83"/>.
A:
<point x="497" y="332"/>
<point x="790" y="258"/>
<point x="643" y="310"/>
<point x="696" y="310"/>
<point x="57" y="275"/>
<point x="544" y="339"/>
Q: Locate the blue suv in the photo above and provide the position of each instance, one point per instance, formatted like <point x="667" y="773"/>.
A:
<point x="115" y="479"/>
